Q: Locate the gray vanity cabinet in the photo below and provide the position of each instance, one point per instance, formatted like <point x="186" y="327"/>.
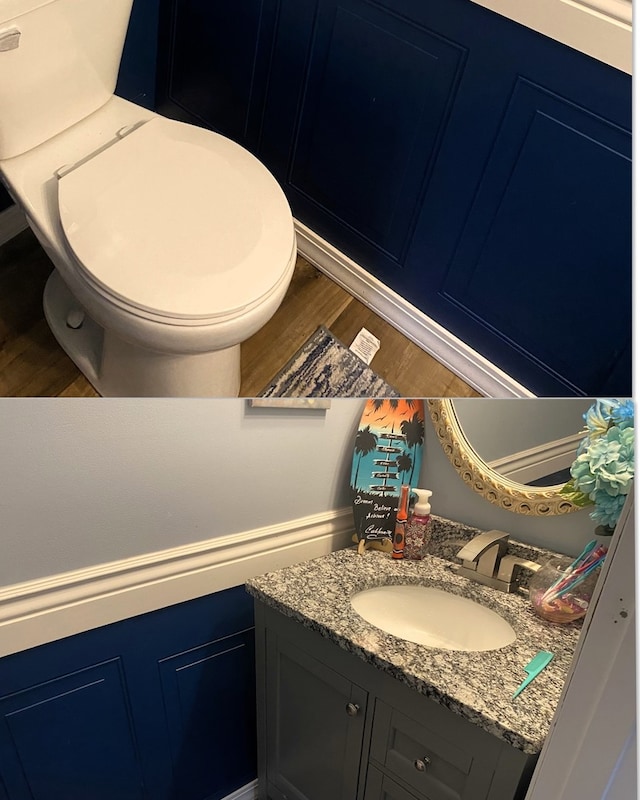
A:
<point x="315" y="724"/>
<point x="332" y="727"/>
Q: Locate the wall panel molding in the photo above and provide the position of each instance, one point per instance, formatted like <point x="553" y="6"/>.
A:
<point x="47" y="609"/>
<point x="457" y="356"/>
<point x="49" y="731"/>
<point x="344" y="127"/>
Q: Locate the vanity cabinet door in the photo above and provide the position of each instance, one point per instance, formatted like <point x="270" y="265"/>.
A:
<point x="315" y="727"/>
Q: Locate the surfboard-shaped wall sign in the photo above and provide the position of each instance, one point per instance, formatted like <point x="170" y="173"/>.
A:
<point x="387" y="454"/>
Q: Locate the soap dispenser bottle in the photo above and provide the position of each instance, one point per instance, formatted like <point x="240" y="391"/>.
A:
<point x="418" y="529"/>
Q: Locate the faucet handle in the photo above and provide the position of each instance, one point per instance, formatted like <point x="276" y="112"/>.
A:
<point x="482" y="542"/>
<point x="508" y="565"/>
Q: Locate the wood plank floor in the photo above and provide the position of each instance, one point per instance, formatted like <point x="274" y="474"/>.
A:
<point x="33" y="365"/>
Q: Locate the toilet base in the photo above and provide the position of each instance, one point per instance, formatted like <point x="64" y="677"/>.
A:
<point x="117" y="368"/>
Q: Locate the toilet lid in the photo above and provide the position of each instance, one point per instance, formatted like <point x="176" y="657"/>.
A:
<point x="177" y="221"/>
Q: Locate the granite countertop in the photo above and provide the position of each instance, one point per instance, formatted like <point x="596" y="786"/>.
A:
<point x="476" y="685"/>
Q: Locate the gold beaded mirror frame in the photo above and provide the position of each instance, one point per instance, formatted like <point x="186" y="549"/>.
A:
<point x="495" y="488"/>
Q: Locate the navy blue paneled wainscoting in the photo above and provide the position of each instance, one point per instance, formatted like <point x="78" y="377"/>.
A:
<point x="476" y="167"/>
<point x="137" y="76"/>
<point x="5" y="202"/>
<point x="158" y="707"/>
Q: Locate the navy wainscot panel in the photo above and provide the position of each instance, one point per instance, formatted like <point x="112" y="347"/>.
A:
<point x="477" y="168"/>
<point x="527" y="236"/>
<point x="364" y="146"/>
<point x="70" y="736"/>
<point x="215" y="64"/>
<point x="5" y="202"/>
<point x="568" y="265"/>
<point x="137" y="77"/>
<point x="493" y="193"/>
<point x="157" y="706"/>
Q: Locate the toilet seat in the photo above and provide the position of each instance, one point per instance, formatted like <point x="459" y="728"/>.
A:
<point x="226" y="232"/>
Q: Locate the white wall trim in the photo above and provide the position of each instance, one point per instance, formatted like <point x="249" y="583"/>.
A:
<point x="536" y="462"/>
<point x="40" y="611"/>
<point x="457" y="356"/>
<point x="596" y="713"/>
<point x="598" y="28"/>
<point x="248" y="792"/>
<point x="12" y="222"/>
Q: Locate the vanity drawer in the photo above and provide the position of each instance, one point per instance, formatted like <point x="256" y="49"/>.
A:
<point x="441" y="762"/>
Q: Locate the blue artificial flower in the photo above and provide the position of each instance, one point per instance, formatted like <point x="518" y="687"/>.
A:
<point x="603" y="470"/>
<point x="622" y="414"/>
<point x="583" y="478"/>
<point x="608" y="509"/>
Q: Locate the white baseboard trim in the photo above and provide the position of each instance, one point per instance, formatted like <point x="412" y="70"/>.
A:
<point x="40" y="611"/>
<point x="12" y="222"/>
<point x="457" y="356"/>
<point x="248" y="792"/>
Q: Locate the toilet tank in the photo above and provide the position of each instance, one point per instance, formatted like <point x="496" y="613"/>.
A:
<point x="59" y="62"/>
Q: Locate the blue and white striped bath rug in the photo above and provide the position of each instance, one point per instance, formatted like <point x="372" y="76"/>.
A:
<point x="324" y="367"/>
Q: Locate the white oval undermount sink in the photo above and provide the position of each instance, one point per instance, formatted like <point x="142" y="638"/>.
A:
<point x="433" y="617"/>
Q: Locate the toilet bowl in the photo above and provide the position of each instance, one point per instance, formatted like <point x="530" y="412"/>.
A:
<point x="171" y="246"/>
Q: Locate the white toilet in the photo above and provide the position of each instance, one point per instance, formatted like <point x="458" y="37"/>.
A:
<point x="171" y="244"/>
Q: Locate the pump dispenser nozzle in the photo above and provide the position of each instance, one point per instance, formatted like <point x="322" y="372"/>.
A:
<point x="418" y="529"/>
<point x="422" y="507"/>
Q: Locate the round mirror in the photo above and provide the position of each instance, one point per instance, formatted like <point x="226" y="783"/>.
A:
<point x="509" y="454"/>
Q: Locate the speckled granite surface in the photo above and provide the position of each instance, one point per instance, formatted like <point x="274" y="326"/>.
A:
<point x="476" y="685"/>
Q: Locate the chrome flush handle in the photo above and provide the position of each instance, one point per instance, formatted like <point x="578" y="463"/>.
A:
<point x="9" y="39"/>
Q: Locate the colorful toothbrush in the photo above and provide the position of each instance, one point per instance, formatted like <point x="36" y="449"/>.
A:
<point x="577" y="579"/>
<point x="533" y="668"/>
<point x="573" y="577"/>
<point x="583" y="555"/>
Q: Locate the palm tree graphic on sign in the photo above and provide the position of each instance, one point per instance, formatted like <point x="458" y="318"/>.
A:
<point x="404" y="463"/>
<point x="366" y="442"/>
<point x="413" y="429"/>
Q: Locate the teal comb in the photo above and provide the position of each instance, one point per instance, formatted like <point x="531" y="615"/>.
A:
<point x="533" y="668"/>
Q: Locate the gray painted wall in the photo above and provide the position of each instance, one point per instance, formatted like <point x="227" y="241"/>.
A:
<point x="86" y="482"/>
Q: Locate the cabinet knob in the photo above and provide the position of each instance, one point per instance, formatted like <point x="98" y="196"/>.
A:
<point x="352" y="709"/>
<point x="421" y="764"/>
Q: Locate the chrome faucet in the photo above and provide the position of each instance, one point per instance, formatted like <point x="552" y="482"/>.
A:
<point x="485" y="560"/>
